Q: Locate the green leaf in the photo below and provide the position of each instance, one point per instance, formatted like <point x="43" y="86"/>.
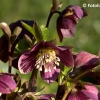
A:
<point x="66" y="70"/>
<point x="29" y="28"/>
<point x="35" y="30"/>
<point x="20" y="47"/>
<point x="45" y="32"/>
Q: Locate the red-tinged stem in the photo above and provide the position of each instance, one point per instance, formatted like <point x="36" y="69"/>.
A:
<point x="33" y="81"/>
<point x="50" y="16"/>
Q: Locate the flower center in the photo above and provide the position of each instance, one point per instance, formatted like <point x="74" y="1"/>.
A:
<point x="46" y="57"/>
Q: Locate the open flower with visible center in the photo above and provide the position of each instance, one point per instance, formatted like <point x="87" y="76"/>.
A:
<point x="7" y="84"/>
<point x="46" y="57"/>
<point x="68" y="19"/>
<point x="89" y="92"/>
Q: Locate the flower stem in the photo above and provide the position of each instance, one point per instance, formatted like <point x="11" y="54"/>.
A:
<point x="49" y="17"/>
<point x="73" y="84"/>
<point x="9" y="56"/>
<point x="68" y="90"/>
<point x="33" y="81"/>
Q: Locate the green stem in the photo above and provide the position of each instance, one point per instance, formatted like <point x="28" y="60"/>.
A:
<point x="68" y="90"/>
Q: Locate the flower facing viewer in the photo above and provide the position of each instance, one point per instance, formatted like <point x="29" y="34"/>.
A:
<point x="68" y="19"/>
<point x="46" y="57"/>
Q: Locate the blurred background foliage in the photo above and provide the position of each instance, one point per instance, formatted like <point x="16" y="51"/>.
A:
<point x="87" y="37"/>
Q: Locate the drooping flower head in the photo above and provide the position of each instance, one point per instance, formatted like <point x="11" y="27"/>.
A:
<point x="46" y="57"/>
<point x="84" y="61"/>
<point x="7" y="84"/>
<point x="89" y="92"/>
<point x="68" y="19"/>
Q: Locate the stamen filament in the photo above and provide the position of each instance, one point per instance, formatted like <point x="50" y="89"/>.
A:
<point x="47" y="58"/>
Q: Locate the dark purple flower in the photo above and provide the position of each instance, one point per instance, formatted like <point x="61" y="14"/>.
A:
<point x="68" y="19"/>
<point x="89" y="92"/>
<point x="84" y="61"/>
<point x="45" y="57"/>
<point x="7" y="84"/>
<point x="24" y="31"/>
<point x="13" y="32"/>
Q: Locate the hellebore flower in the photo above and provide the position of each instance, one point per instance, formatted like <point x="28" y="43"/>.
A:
<point x="84" y="61"/>
<point x="7" y="84"/>
<point x="68" y="19"/>
<point x="89" y="92"/>
<point x="45" y="57"/>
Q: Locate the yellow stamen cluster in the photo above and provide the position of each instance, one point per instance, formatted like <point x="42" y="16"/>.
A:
<point x="46" y="57"/>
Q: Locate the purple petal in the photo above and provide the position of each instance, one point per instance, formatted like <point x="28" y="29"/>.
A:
<point x="77" y="96"/>
<point x="71" y="96"/>
<point x="66" y="57"/>
<point x="86" y="67"/>
<point x="82" y="96"/>
<point x="62" y="52"/>
<point x="85" y="58"/>
<point x="50" y="77"/>
<point x="37" y="46"/>
<point x="66" y="27"/>
<point x="91" y="91"/>
<point x="91" y="88"/>
<point x="67" y="21"/>
<point x="28" y="59"/>
<point x="78" y="11"/>
<point x="7" y="84"/>
<point x="26" y="62"/>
